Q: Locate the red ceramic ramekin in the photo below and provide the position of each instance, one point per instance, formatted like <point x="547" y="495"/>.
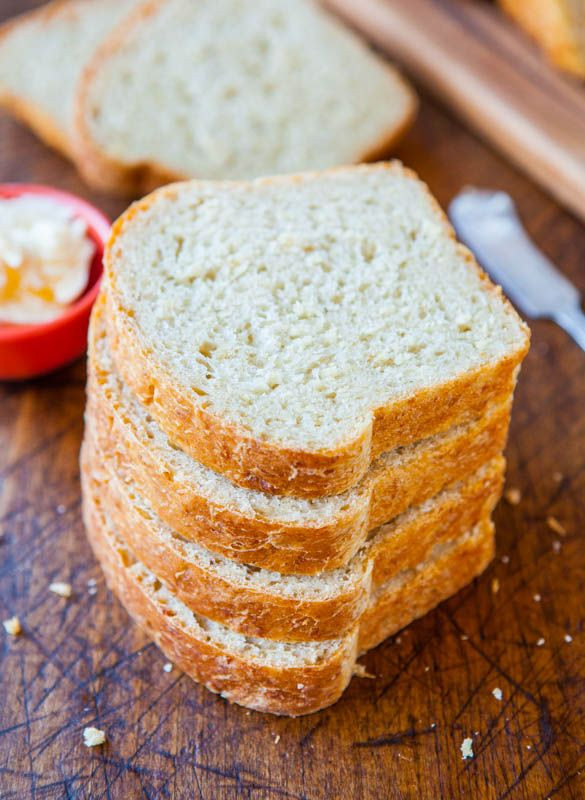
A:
<point x="27" y="351"/>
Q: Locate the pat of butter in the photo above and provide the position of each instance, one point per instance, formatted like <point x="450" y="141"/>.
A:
<point x="45" y="259"/>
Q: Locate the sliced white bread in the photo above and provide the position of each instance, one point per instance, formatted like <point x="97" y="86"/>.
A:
<point x="42" y="56"/>
<point x="227" y="89"/>
<point x="283" y="534"/>
<point x="278" y="677"/>
<point x="265" y="603"/>
<point x="286" y="332"/>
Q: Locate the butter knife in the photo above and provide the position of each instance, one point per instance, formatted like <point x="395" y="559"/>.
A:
<point x="488" y="223"/>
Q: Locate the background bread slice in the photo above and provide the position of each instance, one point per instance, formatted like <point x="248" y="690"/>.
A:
<point x="557" y="25"/>
<point x="225" y="89"/>
<point x="288" y="363"/>
<point x="288" y="535"/>
<point x="281" y="678"/>
<point x="285" y="607"/>
<point x="42" y="56"/>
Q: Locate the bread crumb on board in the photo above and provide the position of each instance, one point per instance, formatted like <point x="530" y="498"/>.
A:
<point x="277" y="738"/>
<point x="513" y="496"/>
<point x="540" y="642"/>
<point x="93" y="737"/>
<point x="61" y="588"/>
<point x="497" y="693"/>
<point x="557" y="546"/>
<point x="360" y="671"/>
<point x="12" y="626"/>
<point x="568" y="638"/>
<point x="537" y="598"/>
<point x="495" y="586"/>
<point x="466" y="748"/>
<point x="556" y="526"/>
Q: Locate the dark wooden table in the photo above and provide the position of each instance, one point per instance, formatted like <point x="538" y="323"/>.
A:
<point x="80" y="662"/>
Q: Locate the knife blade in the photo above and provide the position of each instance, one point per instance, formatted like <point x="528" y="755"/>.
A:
<point x="488" y="223"/>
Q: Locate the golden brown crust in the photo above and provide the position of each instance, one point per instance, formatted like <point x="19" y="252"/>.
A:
<point x="549" y="22"/>
<point x="264" y="611"/>
<point x="106" y="173"/>
<point x="271" y="467"/>
<point x="392" y="608"/>
<point x="254" y="612"/>
<point x="419" y="534"/>
<point x="292" y="690"/>
<point x="290" y="546"/>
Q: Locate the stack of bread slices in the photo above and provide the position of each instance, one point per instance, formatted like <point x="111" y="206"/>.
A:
<point x="299" y="394"/>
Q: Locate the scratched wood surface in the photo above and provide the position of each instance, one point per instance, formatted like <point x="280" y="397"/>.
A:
<point x="80" y="662"/>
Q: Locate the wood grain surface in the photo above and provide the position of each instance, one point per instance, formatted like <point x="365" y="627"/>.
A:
<point x="80" y="662"/>
<point x="471" y="55"/>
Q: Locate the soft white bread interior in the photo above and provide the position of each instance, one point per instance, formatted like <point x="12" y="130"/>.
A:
<point x="287" y="331"/>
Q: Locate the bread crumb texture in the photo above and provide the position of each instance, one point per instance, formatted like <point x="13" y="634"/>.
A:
<point x="466" y="748"/>
<point x="513" y="496"/>
<point x="360" y="671"/>
<point x="12" y="626"/>
<point x="92" y="737"/>
<point x="61" y="588"/>
<point x="556" y="526"/>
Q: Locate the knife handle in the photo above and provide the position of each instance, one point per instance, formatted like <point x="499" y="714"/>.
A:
<point x="572" y="320"/>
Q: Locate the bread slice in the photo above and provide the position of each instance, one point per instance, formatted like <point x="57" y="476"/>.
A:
<point x="42" y="56"/>
<point x="286" y="332"/>
<point x="224" y="89"/>
<point x="265" y="603"/>
<point x="278" y="677"/>
<point x="557" y="25"/>
<point x="287" y="535"/>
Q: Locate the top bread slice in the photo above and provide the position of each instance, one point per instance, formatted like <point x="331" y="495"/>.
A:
<point x="557" y="25"/>
<point x="287" y="331"/>
<point x="42" y="56"/>
<point x="227" y="89"/>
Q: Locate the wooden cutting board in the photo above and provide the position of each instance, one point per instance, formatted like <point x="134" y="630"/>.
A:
<point x="493" y="77"/>
<point x="397" y="736"/>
